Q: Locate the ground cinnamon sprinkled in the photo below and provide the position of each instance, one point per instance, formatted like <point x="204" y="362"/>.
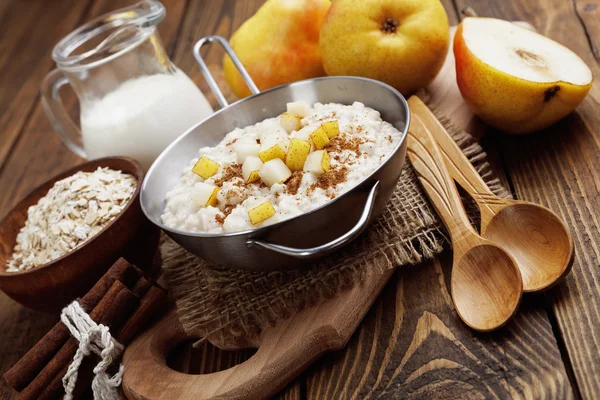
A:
<point x="331" y="179"/>
<point x="340" y="143"/>
<point x="232" y="142"/>
<point x="231" y="172"/>
<point x="293" y="184"/>
<point x="226" y="211"/>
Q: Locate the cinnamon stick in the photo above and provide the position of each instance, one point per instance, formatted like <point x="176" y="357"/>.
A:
<point x="65" y="354"/>
<point x="122" y="307"/>
<point x="26" y="369"/>
<point x="141" y="287"/>
<point x="151" y="304"/>
<point x="153" y="300"/>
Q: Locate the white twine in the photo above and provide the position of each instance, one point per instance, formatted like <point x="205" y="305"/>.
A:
<point x="95" y="338"/>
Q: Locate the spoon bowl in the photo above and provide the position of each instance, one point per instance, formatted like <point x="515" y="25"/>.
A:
<point x="486" y="286"/>
<point x="486" y="281"/>
<point x="538" y="240"/>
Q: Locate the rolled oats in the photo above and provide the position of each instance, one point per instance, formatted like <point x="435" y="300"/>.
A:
<point x="73" y="211"/>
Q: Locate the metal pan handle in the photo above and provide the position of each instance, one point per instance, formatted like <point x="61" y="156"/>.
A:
<point x="335" y="244"/>
<point x="236" y="61"/>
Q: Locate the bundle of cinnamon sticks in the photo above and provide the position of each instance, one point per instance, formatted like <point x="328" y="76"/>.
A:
<point x="122" y="299"/>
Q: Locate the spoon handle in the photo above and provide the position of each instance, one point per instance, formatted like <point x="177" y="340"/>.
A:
<point x="429" y="165"/>
<point x="458" y="165"/>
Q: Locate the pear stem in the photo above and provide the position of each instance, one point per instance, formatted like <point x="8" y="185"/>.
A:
<point x="468" y="12"/>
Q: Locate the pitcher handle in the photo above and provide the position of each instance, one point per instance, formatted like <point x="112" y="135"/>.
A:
<point x="55" y="109"/>
<point x="236" y="61"/>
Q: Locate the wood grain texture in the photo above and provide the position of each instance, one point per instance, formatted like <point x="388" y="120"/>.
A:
<point x="284" y="351"/>
<point x="22" y="70"/>
<point x="558" y="168"/>
<point x="486" y="280"/>
<point x="223" y="17"/>
<point x="536" y="237"/>
<point x="39" y="153"/>
<point x="412" y="345"/>
<point x="588" y="12"/>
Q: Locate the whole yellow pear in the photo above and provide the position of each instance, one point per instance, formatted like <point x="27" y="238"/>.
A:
<point x="400" y="42"/>
<point x="515" y="79"/>
<point x="279" y="44"/>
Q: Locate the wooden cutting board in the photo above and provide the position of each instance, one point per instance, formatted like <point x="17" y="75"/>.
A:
<point x="284" y="350"/>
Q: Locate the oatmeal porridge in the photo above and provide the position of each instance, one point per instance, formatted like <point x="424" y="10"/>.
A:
<point x="279" y="168"/>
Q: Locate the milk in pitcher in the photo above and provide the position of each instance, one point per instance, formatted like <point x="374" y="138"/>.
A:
<point x="142" y="116"/>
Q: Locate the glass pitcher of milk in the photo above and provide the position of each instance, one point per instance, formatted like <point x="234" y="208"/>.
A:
<point x="133" y="100"/>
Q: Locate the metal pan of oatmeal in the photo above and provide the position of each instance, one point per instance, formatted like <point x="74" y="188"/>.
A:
<point x="283" y="177"/>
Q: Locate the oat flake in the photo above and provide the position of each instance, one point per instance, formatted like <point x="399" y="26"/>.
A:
<point x="73" y="211"/>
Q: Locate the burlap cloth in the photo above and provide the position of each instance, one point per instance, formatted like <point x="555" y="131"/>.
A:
<point x="224" y="305"/>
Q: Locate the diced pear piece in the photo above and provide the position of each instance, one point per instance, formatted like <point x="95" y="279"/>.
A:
<point x="297" y="153"/>
<point x="299" y="108"/>
<point x="304" y="133"/>
<point x="317" y="162"/>
<point x="204" y="194"/>
<point x="205" y="167"/>
<point x="332" y="128"/>
<point x="273" y="146"/>
<point x="274" y="152"/>
<point x="274" y="171"/>
<point x="290" y="122"/>
<point x="261" y="212"/>
<point x="271" y="130"/>
<point x="250" y="169"/>
<point x="279" y="137"/>
<point x="319" y="138"/>
<point x="245" y="148"/>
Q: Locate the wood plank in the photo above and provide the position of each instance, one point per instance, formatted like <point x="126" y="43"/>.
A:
<point x="40" y="154"/>
<point x="588" y="12"/>
<point x="558" y="168"/>
<point x="412" y="345"/>
<point x="24" y="61"/>
<point x="25" y="58"/>
<point x="225" y="17"/>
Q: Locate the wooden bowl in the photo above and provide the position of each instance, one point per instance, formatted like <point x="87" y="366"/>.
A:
<point x="51" y="286"/>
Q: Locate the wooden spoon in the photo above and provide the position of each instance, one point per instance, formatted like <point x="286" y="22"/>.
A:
<point x="535" y="236"/>
<point x="486" y="282"/>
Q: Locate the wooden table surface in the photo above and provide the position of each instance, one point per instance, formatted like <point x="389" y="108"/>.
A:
<point x="411" y="344"/>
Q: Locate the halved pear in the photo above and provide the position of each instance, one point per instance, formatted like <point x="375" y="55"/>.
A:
<point x="515" y="79"/>
<point x="205" y="167"/>
<point x="274" y="171"/>
<point x="204" y="194"/>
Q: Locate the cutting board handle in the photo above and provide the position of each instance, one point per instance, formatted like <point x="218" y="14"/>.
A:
<point x="284" y="351"/>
